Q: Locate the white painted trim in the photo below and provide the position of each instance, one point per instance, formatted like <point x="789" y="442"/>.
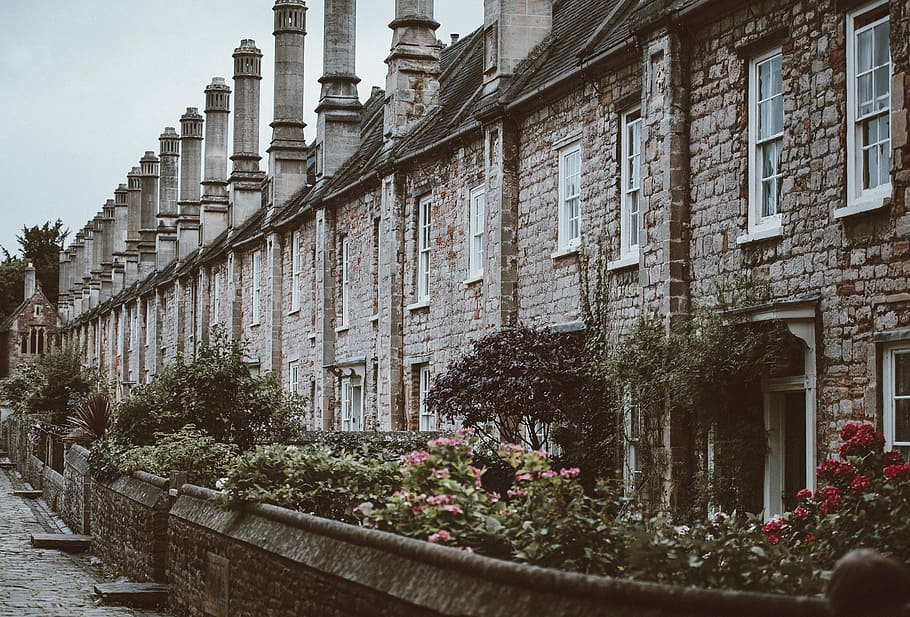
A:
<point x="762" y="233"/>
<point x="627" y="249"/>
<point x="759" y="228"/>
<point x="624" y="262"/>
<point x="564" y="244"/>
<point x="888" y="381"/>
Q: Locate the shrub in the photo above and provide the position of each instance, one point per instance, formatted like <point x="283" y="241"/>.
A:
<point x="214" y="391"/>
<point x="91" y="419"/>
<point x="313" y="479"/>
<point x="53" y="385"/>
<point x="188" y="450"/>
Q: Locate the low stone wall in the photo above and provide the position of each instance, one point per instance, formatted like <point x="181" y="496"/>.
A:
<point x="52" y="485"/>
<point x="33" y="472"/>
<point x="129" y="525"/>
<point x="76" y="510"/>
<point x="268" y="560"/>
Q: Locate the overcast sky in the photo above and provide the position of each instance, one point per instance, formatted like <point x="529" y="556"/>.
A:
<point x="86" y="86"/>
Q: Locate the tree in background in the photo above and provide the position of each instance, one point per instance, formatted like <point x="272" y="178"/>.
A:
<point x="42" y="246"/>
<point x="12" y="276"/>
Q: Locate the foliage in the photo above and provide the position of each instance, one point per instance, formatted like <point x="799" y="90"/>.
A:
<point x="12" y="285"/>
<point x="381" y="446"/>
<point x="188" y="450"/>
<point x="41" y="245"/>
<point x="53" y="386"/>
<point x="91" y="419"/>
<point x="512" y="381"/>
<point x="545" y="519"/>
<point x="314" y="479"/>
<point x="215" y="391"/>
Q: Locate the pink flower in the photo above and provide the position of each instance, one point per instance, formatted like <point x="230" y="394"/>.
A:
<point x="417" y="457"/>
<point x="466" y="549"/>
<point x="517" y="492"/>
<point x="442" y="474"/>
<point x="511" y="447"/>
<point x="859" y="484"/>
<point x="524" y="476"/>
<point x="444" y="442"/>
<point x="464" y="432"/>
<point x="438" y="500"/>
<point x="571" y="472"/>
<point x="442" y="534"/>
<point x="453" y="509"/>
<point x="547" y="474"/>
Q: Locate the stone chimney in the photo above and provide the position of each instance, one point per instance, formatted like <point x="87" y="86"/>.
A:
<point x="190" y="177"/>
<point x="63" y="298"/>
<point x="338" y="122"/>
<point x="75" y="271"/>
<point x="118" y="239"/>
<point x="107" y="249"/>
<point x="287" y="151"/>
<point x="166" y="249"/>
<point x="214" y="186"/>
<point x="134" y="217"/>
<point x="511" y="29"/>
<point x="412" y="82"/>
<point x="246" y="178"/>
<point x="148" y="224"/>
<point x="30" y="281"/>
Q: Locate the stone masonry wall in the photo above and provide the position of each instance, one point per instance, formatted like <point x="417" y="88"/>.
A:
<point x="77" y="506"/>
<point x="129" y="525"/>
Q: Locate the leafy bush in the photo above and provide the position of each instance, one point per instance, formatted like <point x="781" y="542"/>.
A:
<point x="214" y="391"/>
<point x="53" y="385"/>
<point x="189" y="450"/>
<point x="313" y="479"/>
<point x="91" y="419"/>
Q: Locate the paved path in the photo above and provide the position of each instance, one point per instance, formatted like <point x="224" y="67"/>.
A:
<point x="42" y="582"/>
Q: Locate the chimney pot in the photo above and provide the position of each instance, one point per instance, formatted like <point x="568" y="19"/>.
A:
<point x="455" y="36"/>
<point x="30" y="284"/>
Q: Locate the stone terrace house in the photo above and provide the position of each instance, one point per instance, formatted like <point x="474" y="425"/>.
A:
<point x="683" y="143"/>
<point x="31" y="330"/>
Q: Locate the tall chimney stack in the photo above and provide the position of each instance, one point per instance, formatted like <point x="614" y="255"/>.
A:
<point x="214" y="186"/>
<point x="412" y="82"/>
<point x="107" y="249"/>
<point x="287" y="151"/>
<point x="512" y="28"/>
<point x="133" y="224"/>
<point x="166" y="250"/>
<point x="148" y="230"/>
<point x="118" y="246"/>
<point x="30" y="281"/>
<point x="246" y="178"/>
<point x="190" y="177"/>
<point x="338" y="123"/>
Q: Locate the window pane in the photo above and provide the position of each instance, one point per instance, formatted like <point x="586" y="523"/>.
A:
<point x="902" y="420"/>
<point x="885" y="167"/>
<point x="864" y="51"/>
<point x="633" y="218"/>
<point x="902" y="374"/>
<point x="776" y="80"/>
<point x="864" y="94"/>
<point x="882" y="44"/>
<point x="771" y="158"/>
<point x="882" y="86"/>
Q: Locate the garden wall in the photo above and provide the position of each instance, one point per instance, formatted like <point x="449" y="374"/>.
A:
<point x="129" y="524"/>
<point x="77" y="507"/>
<point x="268" y="559"/>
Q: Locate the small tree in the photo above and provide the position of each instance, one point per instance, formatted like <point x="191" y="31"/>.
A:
<point x="513" y="385"/>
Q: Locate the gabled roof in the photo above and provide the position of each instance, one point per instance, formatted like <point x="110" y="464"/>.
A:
<point x="8" y="322"/>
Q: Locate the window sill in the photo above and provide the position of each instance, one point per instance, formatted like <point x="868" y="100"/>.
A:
<point x="566" y="251"/>
<point x="294" y="311"/>
<point x="622" y="263"/>
<point x="311" y="336"/>
<point x="861" y="206"/>
<point x="343" y="328"/>
<point x="254" y="325"/>
<point x="762" y="233"/>
<point x="374" y="318"/>
<point x="422" y="304"/>
<point x="473" y="280"/>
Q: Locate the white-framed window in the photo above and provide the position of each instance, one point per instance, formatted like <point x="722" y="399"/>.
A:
<point x="256" y="288"/>
<point x="297" y="271"/>
<point x="868" y="106"/>
<point x="632" y="468"/>
<point x="344" y="300"/>
<point x="766" y="141"/>
<point x="424" y="225"/>
<point x="294" y="377"/>
<point x="570" y="197"/>
<point x="426" y="420"/>
<point x="216" y="297"/>
<point x="896" y="396"/>
<point x="119" y="317"/>
<point x="477" y="216"/>
<point x="351" y="404"/>
<point x="132" y="313"/>
<point x="630" y="220"/>
<point x="149" y="316"/>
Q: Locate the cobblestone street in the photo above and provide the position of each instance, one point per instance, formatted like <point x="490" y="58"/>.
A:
<point x="40" y="582"/>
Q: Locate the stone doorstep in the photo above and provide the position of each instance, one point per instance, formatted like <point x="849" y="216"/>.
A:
<point x="144" y="595"/>
<point x="27" y="493"/>
<point x="5" y="463"/>
<point x="71" y="543"/>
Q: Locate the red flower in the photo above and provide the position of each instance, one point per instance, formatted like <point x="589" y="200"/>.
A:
<point x="832" y="499"/>
<point x="897" y="473"/>
<point x="864" y="440"/>
<point x="804" y="495"/>
<point x="809" y="538"/>
<point x="833" y="471"/>
<point x="849" y="431"/>
<point x="859" y="484"/>
<point x="894" y="457"/>
<point x="801" y="513"/>
<point x="772" y="530"/>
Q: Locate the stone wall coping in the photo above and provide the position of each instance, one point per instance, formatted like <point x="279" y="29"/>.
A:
<point x="77" y="457"/>
<point x="49" y="474"/>
<point x="150" y="478"/>
<point x="141" y="487"/>
<point x="547" y="585"/>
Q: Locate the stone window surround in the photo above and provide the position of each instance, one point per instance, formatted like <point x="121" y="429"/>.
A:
<point x="758" y="227"/>
<point x="476" y="234"/>
<point x="216" y="296"/>
<point x="425" y="420"/>
<point x="628" y="251"/>
<point x="255" y="286"/>
<point x="344" y="282"/>
<point x="858" y="201"/>
<point x="423" y="248"/>
<point x="566" y="246"/>
<point x="296" y="271"/>
<point x="294" y="376"/>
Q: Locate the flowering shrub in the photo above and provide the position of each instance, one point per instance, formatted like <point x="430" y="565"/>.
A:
<point x="545" y="518"/>
<point x="863" y="500"/>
